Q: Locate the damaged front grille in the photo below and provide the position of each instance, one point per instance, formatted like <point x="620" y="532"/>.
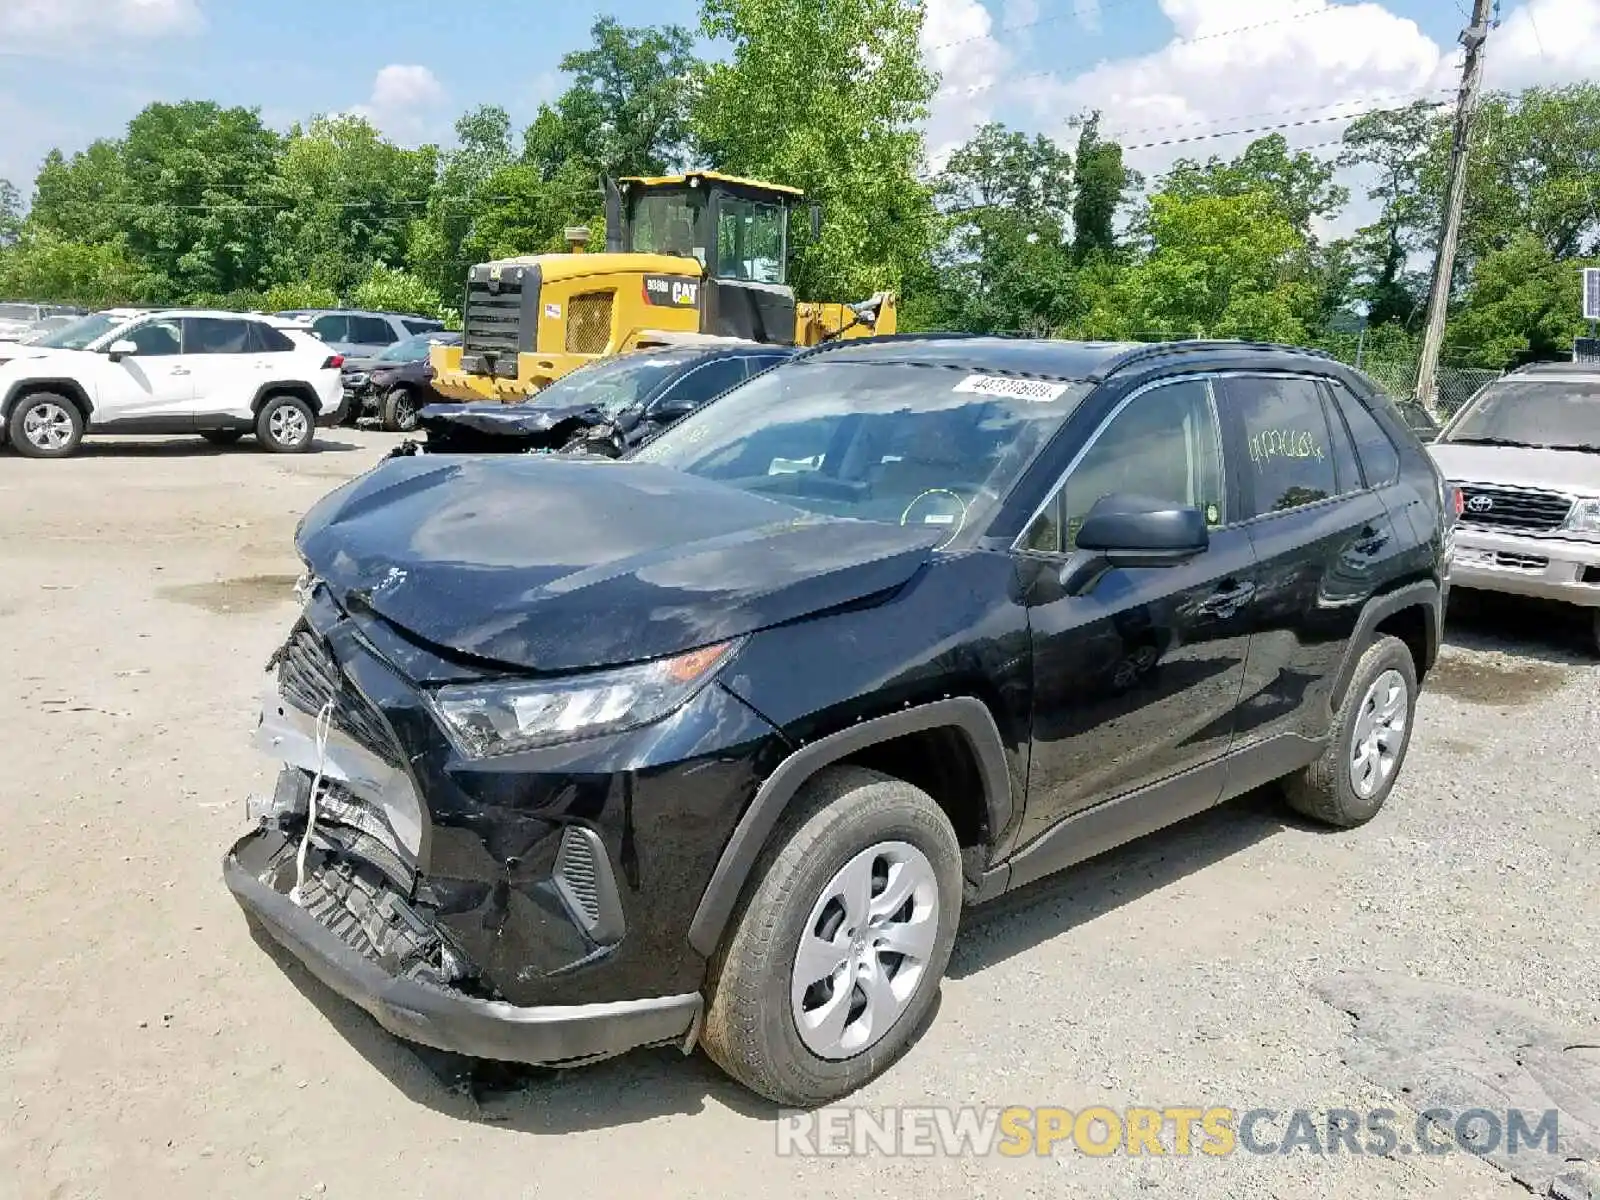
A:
<point x="309" y="678"/>
<point x="378" y="923"/>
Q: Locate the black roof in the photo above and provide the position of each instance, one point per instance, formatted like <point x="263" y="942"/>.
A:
<point x="1042" y="358"/>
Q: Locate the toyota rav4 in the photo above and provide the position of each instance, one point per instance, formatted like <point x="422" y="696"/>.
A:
<point x="712" y="744"/>
<point x="217" y="374"/>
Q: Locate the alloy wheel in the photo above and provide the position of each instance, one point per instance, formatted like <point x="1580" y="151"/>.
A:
<point x="48" y="426"/>
<point x="1379" y="733"/>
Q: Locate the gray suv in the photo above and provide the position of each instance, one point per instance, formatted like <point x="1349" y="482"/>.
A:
<point x="360" y="334"/>
<point x="1524" y="454"/>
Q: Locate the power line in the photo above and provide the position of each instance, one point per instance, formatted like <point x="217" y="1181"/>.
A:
<point x="1388" y="99"/>
<point x="1207" y="137"/>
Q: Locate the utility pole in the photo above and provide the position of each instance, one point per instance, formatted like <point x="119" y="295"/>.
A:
<point x="1473" y="38"/>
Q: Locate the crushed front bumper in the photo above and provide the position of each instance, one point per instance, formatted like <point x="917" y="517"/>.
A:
<point x="435" y="1014"/>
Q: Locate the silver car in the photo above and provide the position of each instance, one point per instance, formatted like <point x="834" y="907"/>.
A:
<point x="1524" y="453"/>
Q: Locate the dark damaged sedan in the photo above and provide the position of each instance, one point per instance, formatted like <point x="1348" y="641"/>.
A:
<point x="711" y="745"/>
<point x="605" y="408"/>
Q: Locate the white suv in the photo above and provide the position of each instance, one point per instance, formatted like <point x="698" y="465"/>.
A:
<point x="217" y="374"/>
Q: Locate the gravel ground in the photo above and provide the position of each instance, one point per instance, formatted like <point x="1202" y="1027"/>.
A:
<point x="149" y="1046"/>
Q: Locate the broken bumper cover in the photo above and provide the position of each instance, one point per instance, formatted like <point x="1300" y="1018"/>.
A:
<point x="557" y="1035"/>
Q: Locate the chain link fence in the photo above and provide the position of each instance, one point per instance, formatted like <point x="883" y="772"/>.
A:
<point x="1398" y="377"/>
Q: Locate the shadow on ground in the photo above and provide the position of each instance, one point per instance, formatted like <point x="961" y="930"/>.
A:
<point x="1558" y="634"/>
<point x="188" y="447"/>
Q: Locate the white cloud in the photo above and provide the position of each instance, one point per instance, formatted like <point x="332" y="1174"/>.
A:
<point x="45" y="26"/>
<point x="1545" y="42"/>
<point x="958" y="42"/>
<point x="406" y="102"/>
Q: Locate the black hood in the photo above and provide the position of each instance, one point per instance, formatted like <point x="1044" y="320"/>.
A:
<point x="509" y="419"/>
<point x="558" y="564"/>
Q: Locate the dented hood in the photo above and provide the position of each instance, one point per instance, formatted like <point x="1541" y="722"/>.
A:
<point x="558" y="564"/>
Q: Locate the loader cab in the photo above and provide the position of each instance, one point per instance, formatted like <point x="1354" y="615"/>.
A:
<point x="736" y="229"/>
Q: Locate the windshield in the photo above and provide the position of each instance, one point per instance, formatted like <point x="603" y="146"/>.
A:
<point x="664" y="223"/>
<point x="1550" y="412"/>
<point x="613" y="384"/>
<point x="412" y="349"/>
<point x="81" y="332"/>
<point x="19" y="312"/>
<point x="878" y="441"/>
<point x="751" y="241"/>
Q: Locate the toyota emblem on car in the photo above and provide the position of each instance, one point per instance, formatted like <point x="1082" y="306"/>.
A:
<point x="1480" y="504"/>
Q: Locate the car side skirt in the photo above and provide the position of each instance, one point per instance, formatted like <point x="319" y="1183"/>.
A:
<point x="1129" y="817"/>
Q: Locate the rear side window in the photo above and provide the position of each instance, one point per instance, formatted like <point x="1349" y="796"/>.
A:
<point x="332" y="328"/>
<point x="1284" y="452"/>
<point x="709" y="380"/>
<point x="214" y="335"/>
<point x="758" y="363"/>
<point x="267" y="340"/>
<point x="415" y="327"/>
<point x="1379" y="459"/>
<point x="372" y="331"/>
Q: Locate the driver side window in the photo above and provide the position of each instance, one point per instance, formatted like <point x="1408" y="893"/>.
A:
<point x="1162" y="444"/>
<point x="155" y="339"/>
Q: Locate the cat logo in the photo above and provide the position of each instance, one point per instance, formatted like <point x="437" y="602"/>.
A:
<point x="671" y="291"/>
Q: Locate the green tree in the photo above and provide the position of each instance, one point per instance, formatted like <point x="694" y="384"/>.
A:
<point x="1393" y="145"/>
<point x="351" y="198"/>
<point x="1103" y="186"/>
<point x="42" y="266"/>
<point x="1006" y="262"/>
<point x="827" y="96"/>
<point x="439" y="247"/>
<point x="200" y="197"/>
<point x="1216" y="266"/>
<point x="83" y="198"/>
<point x="388" y="289"/>
<point x="10" y="212"/>
<point x="1299" y="183"/>
<point x="627" y="111"/>
<point x="1523" y="305"/>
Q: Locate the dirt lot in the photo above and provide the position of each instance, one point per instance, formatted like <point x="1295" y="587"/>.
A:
<point x="148" y="1046"/>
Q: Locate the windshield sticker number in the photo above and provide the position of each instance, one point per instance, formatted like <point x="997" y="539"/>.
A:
<point x="1037" y="390"/>
<point x="553" y="311"/>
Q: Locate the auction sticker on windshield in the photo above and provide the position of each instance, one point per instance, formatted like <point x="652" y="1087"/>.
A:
<point x="1019" y="389"/>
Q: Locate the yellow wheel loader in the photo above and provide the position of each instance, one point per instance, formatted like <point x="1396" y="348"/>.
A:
<point x="697" y="254"/>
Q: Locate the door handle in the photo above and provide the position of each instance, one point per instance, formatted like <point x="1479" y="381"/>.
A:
<point x="180" y="370"/>
<point x="1229" y="597"/>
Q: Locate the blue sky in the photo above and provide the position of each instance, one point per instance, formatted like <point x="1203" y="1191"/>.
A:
<point x="73" y="70"/>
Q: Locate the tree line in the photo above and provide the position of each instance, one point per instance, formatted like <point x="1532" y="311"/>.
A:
<point x="197" y="204"/>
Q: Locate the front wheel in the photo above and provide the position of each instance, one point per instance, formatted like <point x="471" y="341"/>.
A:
<point x="46" y="425"/>
<point x="836" y="954"/>
<point x="285" y="425"/>
<point x="400" y="410"/>
<point x="1367" y="747"/>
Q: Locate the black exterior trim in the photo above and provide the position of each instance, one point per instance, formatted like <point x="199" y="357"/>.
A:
<point x="1425" y="595"/>
<point x="292" y="387"/>
<point x="555" y="1035"/>
<point x="963" y="713"/>
<point x="164" y="424"/>
<point x="1133" y="815"/>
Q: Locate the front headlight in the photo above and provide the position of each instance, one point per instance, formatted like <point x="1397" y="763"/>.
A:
<point x="1584" y="517"/>
<point x="487" y="719"/>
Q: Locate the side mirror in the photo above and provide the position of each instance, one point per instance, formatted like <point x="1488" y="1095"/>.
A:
<point x="121" y="349"/>
<point x="673" y="408"/>
<point x="1141" y="531"/>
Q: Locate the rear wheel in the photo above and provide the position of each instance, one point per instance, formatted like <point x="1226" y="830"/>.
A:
<point x="400" y="410"/>
<point x="222" y="437"/>
<point x="835" y="957"/>
<point x="1367" y="747"/>
<point x="285" y="425"/>
<point x="46" y="425"/>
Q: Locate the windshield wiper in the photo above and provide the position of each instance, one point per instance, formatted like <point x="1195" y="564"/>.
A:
<point x="1582" y="447"/>
<point x="1497" y="441"/>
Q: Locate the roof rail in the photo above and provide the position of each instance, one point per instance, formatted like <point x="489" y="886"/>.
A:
<point x="882" y="338"/>
<point x="1158" y="349"/>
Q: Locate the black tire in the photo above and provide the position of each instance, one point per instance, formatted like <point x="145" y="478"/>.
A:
<point x="286" y="425"/>
<point x="1327" y="791"/>
<point x="1594" y="631"/>
<point x="45" y="425"/>
<point x="222" y="437"/>
<point x="400" y="410"/>
<point x="750" y="1028"/>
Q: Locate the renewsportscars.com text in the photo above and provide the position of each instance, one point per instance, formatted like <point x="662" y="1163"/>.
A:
<point x="1178" y="1131"/>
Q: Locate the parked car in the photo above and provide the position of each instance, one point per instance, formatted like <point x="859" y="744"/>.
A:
<point x="391" y="387"/>
<point x="217" y="374"/>
<point x="711" y="744"/>
<point x="18" y="320"/>
<point x="355" y="333"/>
<point x="43" y="328"/>
<point x="604" y="408"/>
<point x="1525" y="455"/>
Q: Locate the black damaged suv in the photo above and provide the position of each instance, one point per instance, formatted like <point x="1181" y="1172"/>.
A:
<point x="711" y="745"/>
